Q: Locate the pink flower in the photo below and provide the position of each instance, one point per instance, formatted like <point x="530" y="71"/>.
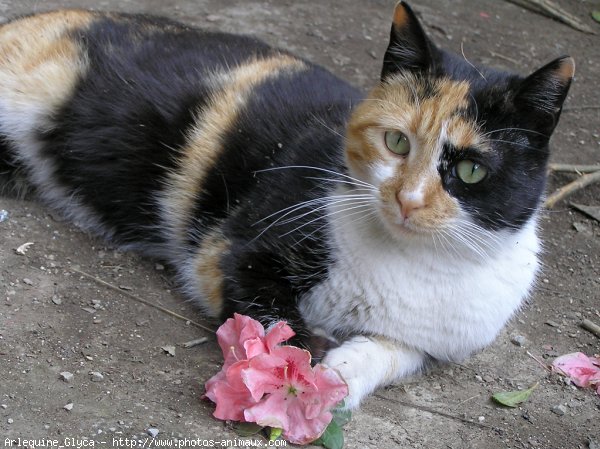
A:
<point x="584" y="371"/>
<point x="298" y="398"/>
<point x="240" y="338"/>
<point x="272" y="385"/>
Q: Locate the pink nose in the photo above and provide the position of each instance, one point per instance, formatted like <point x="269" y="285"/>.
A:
<point x="409" y="202"/>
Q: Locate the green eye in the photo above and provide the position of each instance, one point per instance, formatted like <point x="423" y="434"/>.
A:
<point x="470" y="172"/>
<point x="397" y="142"/>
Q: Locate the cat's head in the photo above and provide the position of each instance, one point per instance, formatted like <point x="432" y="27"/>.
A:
<point x="450" y="145"/>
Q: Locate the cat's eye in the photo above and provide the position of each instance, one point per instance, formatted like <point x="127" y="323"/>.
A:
<point x="397" y="142"/>
<point x="470" y="172"/>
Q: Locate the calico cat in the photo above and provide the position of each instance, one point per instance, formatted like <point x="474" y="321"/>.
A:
<point x="390" y="230"/>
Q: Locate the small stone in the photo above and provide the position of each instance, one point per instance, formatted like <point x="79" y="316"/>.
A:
<point x="581" y="227"/>
<point x="481" y="419"/>
<point x="68" y="407"/>
<point x="96" y="376"/>
<point x="169" y="350"/>
<point x="153" y="432"/>
<point x="10" y="420"/>
<point x="4" y="406"/>
<point x="518" y="340"/>
<point x="56" y="300"/>
<point x="552" y="323"/>
<point x="560" y="410"/>
<point x="159" y="267"/>
<point x="27" y="281"/>
<point x="66" y="376"/>
<point x="3" y="215"/>
<point x="478" y="378"/>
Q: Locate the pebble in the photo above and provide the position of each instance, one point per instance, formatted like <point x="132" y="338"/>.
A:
<point x="56" y="300"/>
<point x="481" y="419"/>
<point x="478" y="378"/>
<point x="10" y="420"/>
<point x="68" y="407"/>
<point x="552" y="323"/>
<point x="27" y="281"/>
<point x="560" y="410"/>
<point x="518" y="340"/>
<point x="4" y="406"/>
<point x="3" y="215"/>
<point x="159" y="267"/>
<point x="96" y="376"/>
<point x="169" y="350"/>
<point x="66" y="376"/>
<point x="153" y="432"/>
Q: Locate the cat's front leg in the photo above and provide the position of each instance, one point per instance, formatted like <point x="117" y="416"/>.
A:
<point x="369" y="362"/>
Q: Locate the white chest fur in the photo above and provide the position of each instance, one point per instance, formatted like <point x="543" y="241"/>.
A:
<point x="441" y="301"/>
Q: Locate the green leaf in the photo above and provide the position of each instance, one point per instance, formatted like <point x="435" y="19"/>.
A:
<point x="596" y="16"/>
<point x="332" y="438"/>
<point x="514" y="398"/>
<point x="274" y="433"/>
<point x="246" y="429"/>
<point x="341" y="417"/>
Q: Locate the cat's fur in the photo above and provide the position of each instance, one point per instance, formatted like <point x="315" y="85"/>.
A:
<point x="266" y="183"/>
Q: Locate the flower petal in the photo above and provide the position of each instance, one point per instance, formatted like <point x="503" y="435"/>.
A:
<point x="298" y="371"/>
<point x="211" y="383"/>
<point x="271" y="411"/>
<point x="279" y="333"/>
<point x="263" y="375"/>
<point x="233" y="333"/>
<point x="579" y="368"/>
<point x="302" y="430"/>
<point x="231" y="402"/>
<point x="330" y="390"/>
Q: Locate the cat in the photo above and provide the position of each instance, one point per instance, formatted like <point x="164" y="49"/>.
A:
<point x="391" y="230"/>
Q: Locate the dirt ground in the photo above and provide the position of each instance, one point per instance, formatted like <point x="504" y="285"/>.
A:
<point x="53" y="319"/>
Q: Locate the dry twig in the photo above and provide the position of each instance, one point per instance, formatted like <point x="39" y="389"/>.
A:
<point x="572" y="187"/>
<point x="143" y="301"/>
<point x="437" y="412"/>
<point x="550" y="9"/>
<point x="570" y="168"/>
<point x="591" y="326"/>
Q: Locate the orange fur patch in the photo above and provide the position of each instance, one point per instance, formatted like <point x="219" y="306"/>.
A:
<point x="208" y="269"/>
<point x="204" y="142"/>
<point x="400" y="16"/>
<point x="429" y="116"/>
<point x="566" y="70"/>
<point x="39" y="62"/>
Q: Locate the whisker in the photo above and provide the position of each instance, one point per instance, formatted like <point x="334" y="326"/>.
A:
<point x="365" y="217"/>
<point x="312" y="211"/>
<point x="364" y="204"/>
<point x="343" y="181"/>
<point x="514" y="129"/>
<point x="306" y="204"/>
<point x="308" y="167"/>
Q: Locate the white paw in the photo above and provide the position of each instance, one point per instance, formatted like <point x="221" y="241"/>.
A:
<point x="351" y="360"/>
<point x="368" y="363"/>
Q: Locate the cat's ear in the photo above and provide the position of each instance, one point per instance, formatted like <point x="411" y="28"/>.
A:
<point x="409" y="47"/>
<point x="542" y="93"/>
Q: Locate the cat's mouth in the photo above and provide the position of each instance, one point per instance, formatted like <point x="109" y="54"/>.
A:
<point x="399" y="226"/>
